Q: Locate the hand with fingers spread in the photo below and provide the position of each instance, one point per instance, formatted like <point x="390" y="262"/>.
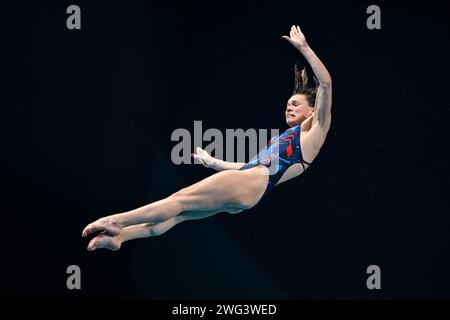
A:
<point x="297" y="38"/>
<point x="204" y="158"/>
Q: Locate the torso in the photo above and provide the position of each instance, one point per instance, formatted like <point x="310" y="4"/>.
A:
<point x="312" y="138"/>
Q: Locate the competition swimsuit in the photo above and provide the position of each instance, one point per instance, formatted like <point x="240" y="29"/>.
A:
<point x="284" y="148"/>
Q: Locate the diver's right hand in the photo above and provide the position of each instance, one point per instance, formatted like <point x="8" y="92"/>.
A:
<point x="204" y="158"/>
<point x="297" y="38"/>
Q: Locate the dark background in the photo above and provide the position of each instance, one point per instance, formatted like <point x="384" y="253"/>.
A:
<point x="86" y="122"/>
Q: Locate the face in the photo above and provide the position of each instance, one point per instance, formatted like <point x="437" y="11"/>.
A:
<point x="297" y="110"/>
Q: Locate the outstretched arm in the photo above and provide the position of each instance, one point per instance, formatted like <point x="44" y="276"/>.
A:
<point x="322" y="113"/>
<point x="204" y="158"/>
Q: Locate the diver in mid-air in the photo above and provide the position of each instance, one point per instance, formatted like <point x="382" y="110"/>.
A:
<point x="238" y="186"/>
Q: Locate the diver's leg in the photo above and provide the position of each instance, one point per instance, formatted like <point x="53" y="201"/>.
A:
<point x="226" y="189"/>
<point x="144" y="230"/>
<point x="106" y="241"/>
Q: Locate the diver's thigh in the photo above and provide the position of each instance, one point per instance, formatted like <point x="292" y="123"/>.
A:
<point x="225" y="189"/>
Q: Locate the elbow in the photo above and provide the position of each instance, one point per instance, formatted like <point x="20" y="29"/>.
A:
<point x="326" y="83"/>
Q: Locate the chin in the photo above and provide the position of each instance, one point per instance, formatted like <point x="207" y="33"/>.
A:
<point x="291" y="123"/>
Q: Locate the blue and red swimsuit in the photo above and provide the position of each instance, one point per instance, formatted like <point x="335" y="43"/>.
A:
<point x="286" y="149"/>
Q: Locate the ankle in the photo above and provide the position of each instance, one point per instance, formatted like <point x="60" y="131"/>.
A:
<point x="117" y="220"/>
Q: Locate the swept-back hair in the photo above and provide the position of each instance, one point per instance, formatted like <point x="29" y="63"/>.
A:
<point x="303" y="86"/>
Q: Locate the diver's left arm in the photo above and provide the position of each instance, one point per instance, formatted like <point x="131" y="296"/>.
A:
<point x="322" y="112"/>
<point x="322" y="108"/>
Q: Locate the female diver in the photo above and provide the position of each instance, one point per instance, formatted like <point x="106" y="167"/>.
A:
<point x="238" y="186"/>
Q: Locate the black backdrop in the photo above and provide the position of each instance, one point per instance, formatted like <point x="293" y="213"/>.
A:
<point x="86" y="124"/>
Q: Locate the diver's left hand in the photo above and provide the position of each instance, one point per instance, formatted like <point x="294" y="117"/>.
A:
<point x="297" y="38"/>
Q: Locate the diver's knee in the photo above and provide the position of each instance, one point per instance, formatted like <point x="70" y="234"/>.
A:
<point x="179" y="218"/>
<point x="153" y="232"/>
<point x="181" y="192"/>
<point x="180" y="199"/>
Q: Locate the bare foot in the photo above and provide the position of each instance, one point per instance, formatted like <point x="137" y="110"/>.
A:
<point x="104" y="241"/>
<point x="106" y="224"/>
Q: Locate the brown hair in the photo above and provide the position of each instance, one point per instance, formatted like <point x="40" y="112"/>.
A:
<point x="302" y="85"/>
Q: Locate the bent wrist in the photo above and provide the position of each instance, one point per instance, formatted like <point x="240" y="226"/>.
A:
<point x="214" y="164"/>
<point x="304" y="49"/>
